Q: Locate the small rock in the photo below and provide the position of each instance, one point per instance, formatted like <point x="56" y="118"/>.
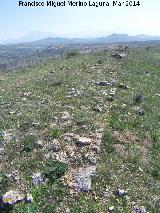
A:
<point x="124" y="106"/>
<point x="67" y="210"/>
<point x="83" y="141"/>
<point x="27" y="94"/>
<point x="139" y="210"/>
<point x="92" y="160"/>
<point x="117" y="56"/>
<point x="111" y="208"/>
<point x="8" y="135"/>
<point x="36" y="125"/>
<point x="106" y="194"/>
<point x="98" y="109"/>
<point x="110" y="98"/>
<point x="14" y="175"/>
<point x="147" y="73"/>
<point x="112" y="92"/>
<point x="84" y="178"/>
<point x="96" y="149"/>
<point x="67" y="138"/>
<point x="84" y="183"/>
<point x="141" y="112"/>
<point x="65" y="116"/>
<point x="11" y="112"/>
<point x="12" y="197"/>
<point x="24" y="99"/>
<point x="140" y="169"/>
<point x="37" y="179"/>
<point x="55" y="146"/>
<point x="105" y="83"/>
<point x="157" y="95"/>
<point x="39" y="144"/>
<point x="123" y="86"/>
<point x="121" y="193"/>
<point x="29" y="198"/>
<point x="2" y="151"/>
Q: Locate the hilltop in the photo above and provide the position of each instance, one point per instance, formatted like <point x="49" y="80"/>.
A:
<point x="80" y="133"/>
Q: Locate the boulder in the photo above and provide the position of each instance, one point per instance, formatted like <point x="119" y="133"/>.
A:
<point x="82" y="141"/>
<point x="123" y="86"/>
<point x="105" y="83"/>
<point x="84" y="178"/>
<point x="11" y="197"/>
<point x="37" y="179"/>
<point x="116" y="56"/>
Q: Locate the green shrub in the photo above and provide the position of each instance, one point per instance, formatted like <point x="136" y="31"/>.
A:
<point x="54" y="170"/>
<point x="54" y="133"/>
<point x="4" y="181"/>
<point x="72" y="53"/>
<point x="28" y="144"/>
<point x="108" y="142"/>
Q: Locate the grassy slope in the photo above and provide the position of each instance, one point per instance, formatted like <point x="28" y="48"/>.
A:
<point x="129" y="157"/>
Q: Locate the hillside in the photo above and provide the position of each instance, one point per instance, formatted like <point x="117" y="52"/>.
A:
<point x="81" y="134"/>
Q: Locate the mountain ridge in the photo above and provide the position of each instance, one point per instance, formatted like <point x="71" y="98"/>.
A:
<point x="45" y="38"/>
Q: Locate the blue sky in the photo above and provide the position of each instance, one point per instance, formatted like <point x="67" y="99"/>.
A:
<point x="17" y="21"/>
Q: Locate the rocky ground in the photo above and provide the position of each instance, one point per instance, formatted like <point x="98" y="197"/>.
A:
<point x="82" y="134"/>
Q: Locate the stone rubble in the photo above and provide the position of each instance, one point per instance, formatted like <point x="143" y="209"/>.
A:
<point x="112" y="92"/>
<point x="82" y="141"/>
<point x="37" y="179"/>
<point x="139" y="210"/>
<point x="14" y="176"/>
<point x="105" y="83"/>
<point x="123" y="86"/>
<point x="11" y="197"/>
<point x="121" y="192"/>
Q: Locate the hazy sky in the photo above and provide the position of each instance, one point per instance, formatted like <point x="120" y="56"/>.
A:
<point x="17" y="21"/>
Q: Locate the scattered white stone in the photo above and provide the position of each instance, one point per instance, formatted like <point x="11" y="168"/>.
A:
<point x="12" y="197"/>
<point x="157" y="95"/>
<point x="105" y="83"/>
<point x="140" y="169"/>
<point x="29" y="198"/>
<point x="65" y="116"/>
<point x="14" y="175"/>
<point x="83" y="141"/>
<point x="124" y="105"/>
<point x="67" y="138"/>
<point x="121" y="192"/>
<point x="37" y="178"/>
<point x="39" y="144"/>
<point x="96" y="149"/>
<point x="27" y="94"/>
<point x="123" y="86"/>
<point x="112" y="92"/>
<point x="83" y="178"/>
<point x="2" y="151"/>
<point x="8" y="134"/>
<point x="24" y="99"/>
<point x="55" y="146"/>
<point x="11" y="112"/>
<point x="98" y="109"/>
<point x="139" y="210"/>
<point x="111" y="208"/>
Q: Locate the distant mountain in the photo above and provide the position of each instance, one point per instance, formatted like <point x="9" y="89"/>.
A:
<point x="108" y="39"/>
<point x="32" y="36"/>
<point x="127" y="38"/>
<point x="39" y="38"/>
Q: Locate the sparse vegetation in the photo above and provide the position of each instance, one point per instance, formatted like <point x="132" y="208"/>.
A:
<point x="71" y="54"/>
<point x="41" y="109"/>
